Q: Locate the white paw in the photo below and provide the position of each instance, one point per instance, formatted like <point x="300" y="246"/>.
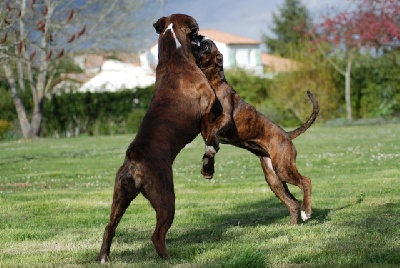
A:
<point x="210" y="151"/>
<point x="304" y="215"/>
<point x="104" y="260"/>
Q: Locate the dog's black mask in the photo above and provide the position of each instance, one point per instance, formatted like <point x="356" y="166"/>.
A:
<point x="203" y="46"/>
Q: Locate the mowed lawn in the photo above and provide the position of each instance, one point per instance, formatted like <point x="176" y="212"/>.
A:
<point x="55" y="197"/>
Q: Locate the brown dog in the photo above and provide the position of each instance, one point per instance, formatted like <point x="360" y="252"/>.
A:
<point x="181" y="98"/>
<point x="243" y="126"/>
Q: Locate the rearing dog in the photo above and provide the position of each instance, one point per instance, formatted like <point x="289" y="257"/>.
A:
<point x="182" y="97"/>
<point x="243" y="126"/>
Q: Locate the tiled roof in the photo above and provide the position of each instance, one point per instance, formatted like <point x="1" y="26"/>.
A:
<point x="277" y="64"/>
<point x="227" y="38"/>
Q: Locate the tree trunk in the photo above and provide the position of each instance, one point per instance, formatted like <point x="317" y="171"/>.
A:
<point x="23" y="51"/>
<point x="19" y="107"/>
<point x="348" y="91"/>
<point x="36" y="123"/>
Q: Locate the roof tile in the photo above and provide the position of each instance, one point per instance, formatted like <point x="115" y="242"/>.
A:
<point x="228" y="38"/>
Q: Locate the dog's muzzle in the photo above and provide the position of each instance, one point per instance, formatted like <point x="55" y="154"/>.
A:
<point x="200" y="44"/>
<point x="205" y="46"/>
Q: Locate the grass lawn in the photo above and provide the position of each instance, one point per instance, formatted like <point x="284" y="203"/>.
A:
<point x="55" y="197"/>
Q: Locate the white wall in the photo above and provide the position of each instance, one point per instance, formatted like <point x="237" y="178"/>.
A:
<point x="244" y="56"/>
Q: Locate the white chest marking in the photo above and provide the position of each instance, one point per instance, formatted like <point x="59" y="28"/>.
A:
<point x="177" y="43"/>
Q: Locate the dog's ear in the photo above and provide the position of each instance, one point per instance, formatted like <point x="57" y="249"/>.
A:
<point x="160" y="25"/>
<point x="219" y="59"/>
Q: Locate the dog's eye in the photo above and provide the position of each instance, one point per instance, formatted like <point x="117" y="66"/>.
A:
<point x="205" y="47"/>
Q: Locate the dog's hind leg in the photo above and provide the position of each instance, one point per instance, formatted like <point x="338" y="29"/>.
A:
<point x="162" y="198"/>
<point x="280" y="189"/>
<point x="306" y="188"/>
<point x="124" y="193"/>
<point x="290" y="174"/>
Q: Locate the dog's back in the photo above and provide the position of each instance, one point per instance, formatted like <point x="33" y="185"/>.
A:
<point x="173" y="117"/>
<point x="210" y="61"/>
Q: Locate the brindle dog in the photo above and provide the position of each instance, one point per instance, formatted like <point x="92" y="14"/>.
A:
<point x="182" y="97"/>
<point x="243" y="126"/>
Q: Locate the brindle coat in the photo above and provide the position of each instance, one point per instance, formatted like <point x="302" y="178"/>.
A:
<point x="243" y="126"/>
<point x="181" y="98"/>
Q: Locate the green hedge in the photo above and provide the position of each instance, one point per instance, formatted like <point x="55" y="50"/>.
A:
<point x="95" y="113"/>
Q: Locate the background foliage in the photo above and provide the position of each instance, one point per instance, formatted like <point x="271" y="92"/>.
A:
<point x="95" y="113"/>
<point x="70" y="114"/>
<point x="290" y="25"/>
<point x="375" y="85"/>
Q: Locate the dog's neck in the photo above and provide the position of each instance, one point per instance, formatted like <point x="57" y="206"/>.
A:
<point x="216" y="77"/>
<point x="169" y="46"/>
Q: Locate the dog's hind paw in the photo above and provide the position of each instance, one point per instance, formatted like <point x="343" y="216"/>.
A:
<point x="304" y="215"/>
<point x="104" y="260"/>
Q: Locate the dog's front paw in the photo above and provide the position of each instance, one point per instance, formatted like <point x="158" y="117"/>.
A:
<point x="210" y="151"/>
<point x="206" y="175"/>
<point x="208" y="167"/>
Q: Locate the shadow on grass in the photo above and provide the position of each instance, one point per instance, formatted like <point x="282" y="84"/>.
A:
<point x="185" y="243"/>
<point x="211" y="230"/>
<point x="368" y="238"/>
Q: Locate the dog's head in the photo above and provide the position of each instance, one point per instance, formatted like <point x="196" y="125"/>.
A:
<point x="208" y="57"/>
<point x="177" y="31"/>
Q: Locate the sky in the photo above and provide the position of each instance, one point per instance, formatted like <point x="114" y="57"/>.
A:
<point x="247" y="18"/>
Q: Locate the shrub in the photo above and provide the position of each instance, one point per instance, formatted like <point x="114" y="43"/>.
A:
<point x="250" y="87"/>
<point x="4" y="127"/>
<point x="134" y="119"/>
<point x="105" y="113"/>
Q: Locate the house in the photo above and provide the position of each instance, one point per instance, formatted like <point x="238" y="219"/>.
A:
<point x="106" y="72"/>
<point x="274" y="64"/>
<point x="116" y="75"/>
<point x="237" y="51"/>
<point x="111" y="72"/>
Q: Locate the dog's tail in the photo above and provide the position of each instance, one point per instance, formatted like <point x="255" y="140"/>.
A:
<point x="300" y="130"/>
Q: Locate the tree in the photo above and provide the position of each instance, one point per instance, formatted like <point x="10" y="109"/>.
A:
<point x="36" y="34"/>
<point x="290" y="25"/>
<point x="287" y="98"/>
<point x="368" y="25"/>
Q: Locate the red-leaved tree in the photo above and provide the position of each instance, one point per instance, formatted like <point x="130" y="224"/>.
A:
<point x="365" y="25"/>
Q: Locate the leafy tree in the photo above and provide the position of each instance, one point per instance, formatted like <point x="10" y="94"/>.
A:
<point x="290" y="25"/>
<point x="288" y="103"/>
<point x="368" y="25"/>
<point x="36" y="34"/>
<point x="376" y="86"/>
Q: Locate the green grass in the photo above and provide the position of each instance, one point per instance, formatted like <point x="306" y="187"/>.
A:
<point x="55" y="197"/>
